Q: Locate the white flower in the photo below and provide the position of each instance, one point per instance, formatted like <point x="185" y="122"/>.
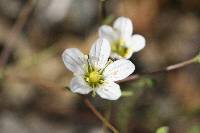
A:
<point x="123" y="43"/>
<point x="96" y="72"/>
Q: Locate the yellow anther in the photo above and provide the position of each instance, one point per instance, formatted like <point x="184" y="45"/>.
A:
<point x="94" y="78"/>
<point x="120" y="48"/>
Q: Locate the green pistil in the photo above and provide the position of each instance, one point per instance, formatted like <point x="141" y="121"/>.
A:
<point x="120" y="48"/>
<point x="94" y="78"/>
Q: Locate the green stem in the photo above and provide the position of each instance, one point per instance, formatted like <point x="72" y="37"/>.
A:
<point x="107" y="114"/>
<point x="102" y="10"/>
<point x="103" y="119"/>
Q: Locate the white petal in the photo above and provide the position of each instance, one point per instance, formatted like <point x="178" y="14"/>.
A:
<point x="100" y="53"/>
<point x="108" y="33"/>
<point x="136" y="42"/>
<point x="110" y="91"/>
<point x="119" y="70"/>
<point x="74" y="60"/>
<point x="124" y="26"/>
<point x="78" y="85"/>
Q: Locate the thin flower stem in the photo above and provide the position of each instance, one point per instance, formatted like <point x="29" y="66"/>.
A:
<point x="15" y="31"/>
<point x="107" y="115"/>
<point x="100" y="116"/>
<point x="166" y="69"/>
<point x="102" y="12"/>
<point x="179" y="65"/>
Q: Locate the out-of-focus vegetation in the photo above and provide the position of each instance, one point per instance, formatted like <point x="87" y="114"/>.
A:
<point x="162" y="130"/>
<point x="31" y="100"/>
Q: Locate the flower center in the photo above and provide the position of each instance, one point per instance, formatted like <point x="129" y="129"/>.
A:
<point x="94" y="78"/>
<point x="120" y="48"/>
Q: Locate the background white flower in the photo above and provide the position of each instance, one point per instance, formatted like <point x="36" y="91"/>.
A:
<point x="95" y="72"/>
<point x="123" y="43"/>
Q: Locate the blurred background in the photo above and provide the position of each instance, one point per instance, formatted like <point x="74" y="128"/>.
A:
<point x="33" y="35"/>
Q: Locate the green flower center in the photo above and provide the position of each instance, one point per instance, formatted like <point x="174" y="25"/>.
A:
<point x="94" y="78"/>
<point x="120" y="48"/>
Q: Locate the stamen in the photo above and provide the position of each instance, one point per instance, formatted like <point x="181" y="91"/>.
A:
<point x="89" y="67"/>
<point x="109" y="62"/>
<point x="120" y="48"/>
<point x="94" y="78"/>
